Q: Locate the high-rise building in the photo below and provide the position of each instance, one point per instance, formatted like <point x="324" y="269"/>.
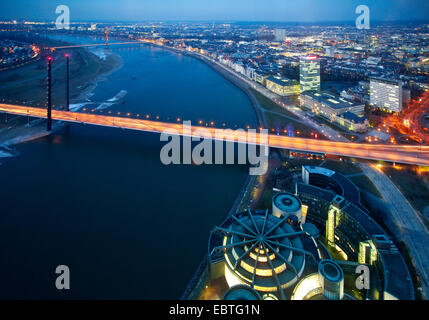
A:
<point x="367" y="253"/>
<point x="329" y="51"/>
<point x="309" y="73"/>
<point x="386" y="94"/>
<point x="334" y="215"/>
<point x="280" y="35"/>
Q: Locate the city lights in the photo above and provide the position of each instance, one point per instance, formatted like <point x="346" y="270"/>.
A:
<point x="259" y="150"/>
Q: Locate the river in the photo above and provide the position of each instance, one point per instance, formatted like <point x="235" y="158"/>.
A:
<point x="100" y="201"/>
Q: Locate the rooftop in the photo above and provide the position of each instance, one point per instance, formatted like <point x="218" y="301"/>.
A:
<point x="332" y="101"/>
<point x="339" y="183"/>
<point x="282" y="81"/>
<point x="387" y="81"/>
<point x="352" y="117"/>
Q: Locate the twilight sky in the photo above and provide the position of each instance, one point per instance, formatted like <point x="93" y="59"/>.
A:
<point x="247" y="10"/>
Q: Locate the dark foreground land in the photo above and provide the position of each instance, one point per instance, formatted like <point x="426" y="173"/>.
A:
<point x="27" y="84"/>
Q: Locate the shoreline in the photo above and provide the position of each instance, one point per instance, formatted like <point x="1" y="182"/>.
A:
<point x="197" y="280"/>
<point x="92" y="85"/>
<point x="21" y="132"/>
<point x="83" y="97"/>
<point x="200" y="274"/>
<point x="227" y="74"/>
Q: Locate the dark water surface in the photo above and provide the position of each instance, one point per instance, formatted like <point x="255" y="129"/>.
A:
<point x="100" y="201"/>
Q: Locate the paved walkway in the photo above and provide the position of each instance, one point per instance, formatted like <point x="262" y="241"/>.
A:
<point x="413" y="231"/>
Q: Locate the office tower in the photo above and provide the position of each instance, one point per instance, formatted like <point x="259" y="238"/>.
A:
<point x="280" y="35"/>
<point x="386" y="94"/>
<point x="309" y="73"/>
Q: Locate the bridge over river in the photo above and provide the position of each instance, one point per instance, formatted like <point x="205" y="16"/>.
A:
<point x="415" y="155"/>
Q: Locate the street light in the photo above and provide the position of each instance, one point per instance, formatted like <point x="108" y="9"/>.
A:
<point x="67" y="82"/>
<point x="49" y="95"/>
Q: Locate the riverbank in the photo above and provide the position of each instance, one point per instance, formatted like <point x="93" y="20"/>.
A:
<point x="419" y="254"/>
<point x="227" y="74"/>
<point x="112" y="63"/>
<point x="201" y="275"/>
<point x="27" y="85"/>
<point x="100" y="203"/>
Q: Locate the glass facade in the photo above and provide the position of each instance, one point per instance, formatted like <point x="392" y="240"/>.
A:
<point x="309" y="73"/>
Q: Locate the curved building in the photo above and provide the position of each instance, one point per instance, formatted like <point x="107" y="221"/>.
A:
<point x="350" y="230"/>
<point x="241" y="292"/>
<point x="331" y="180"/>
<point x="261" y="250"/>
<point x="281" y="257"/>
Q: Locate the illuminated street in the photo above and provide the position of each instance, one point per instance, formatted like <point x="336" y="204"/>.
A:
<point x="418" y="155"/>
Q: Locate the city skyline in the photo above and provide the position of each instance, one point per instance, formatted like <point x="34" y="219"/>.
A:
<point x="305" y="11"/>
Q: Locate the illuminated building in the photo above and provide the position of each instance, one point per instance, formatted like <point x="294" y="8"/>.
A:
<point x="367" y="252"/>
<point x="329" y="51"/>
<point x="309" y="73"/>
<point x="336" y="109"/>
<point x="282" y="86"/>
<point x="280" y="35"/>
<point x="386" y="94"/>
<point x="331" y="180"/>
<point x="327" y="284"/>
<point x="242" y="292"/>
<point x="331" y="278"/>
<point x="353" y="234"/>
<point x="262" y="251"/>
<point x="329" y="105"/>
<point x="352" y="122"/>
<point x="276" y="256"/>
<point x="334" y="215"/>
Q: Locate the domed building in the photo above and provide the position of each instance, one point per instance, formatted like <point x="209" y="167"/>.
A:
<point x="241" y="292"/>
<point x="310" y="247"/>
<point x="263" y="251"/>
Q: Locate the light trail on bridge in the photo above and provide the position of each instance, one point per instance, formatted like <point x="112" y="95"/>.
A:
<point x="406" y="154"/>
<point x="97" y="45"/>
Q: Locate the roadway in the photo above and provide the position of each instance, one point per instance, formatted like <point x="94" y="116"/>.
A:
<point x="416" y="155"/>
<point x="413" y="231"/>
<point x="301" y="114"/>
<point x="416" y="114"/>
<point x="412" y="228"/>
<point x="411" y="120"/>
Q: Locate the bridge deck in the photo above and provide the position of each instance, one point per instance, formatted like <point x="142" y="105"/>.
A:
<point x="417" y="155"/>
